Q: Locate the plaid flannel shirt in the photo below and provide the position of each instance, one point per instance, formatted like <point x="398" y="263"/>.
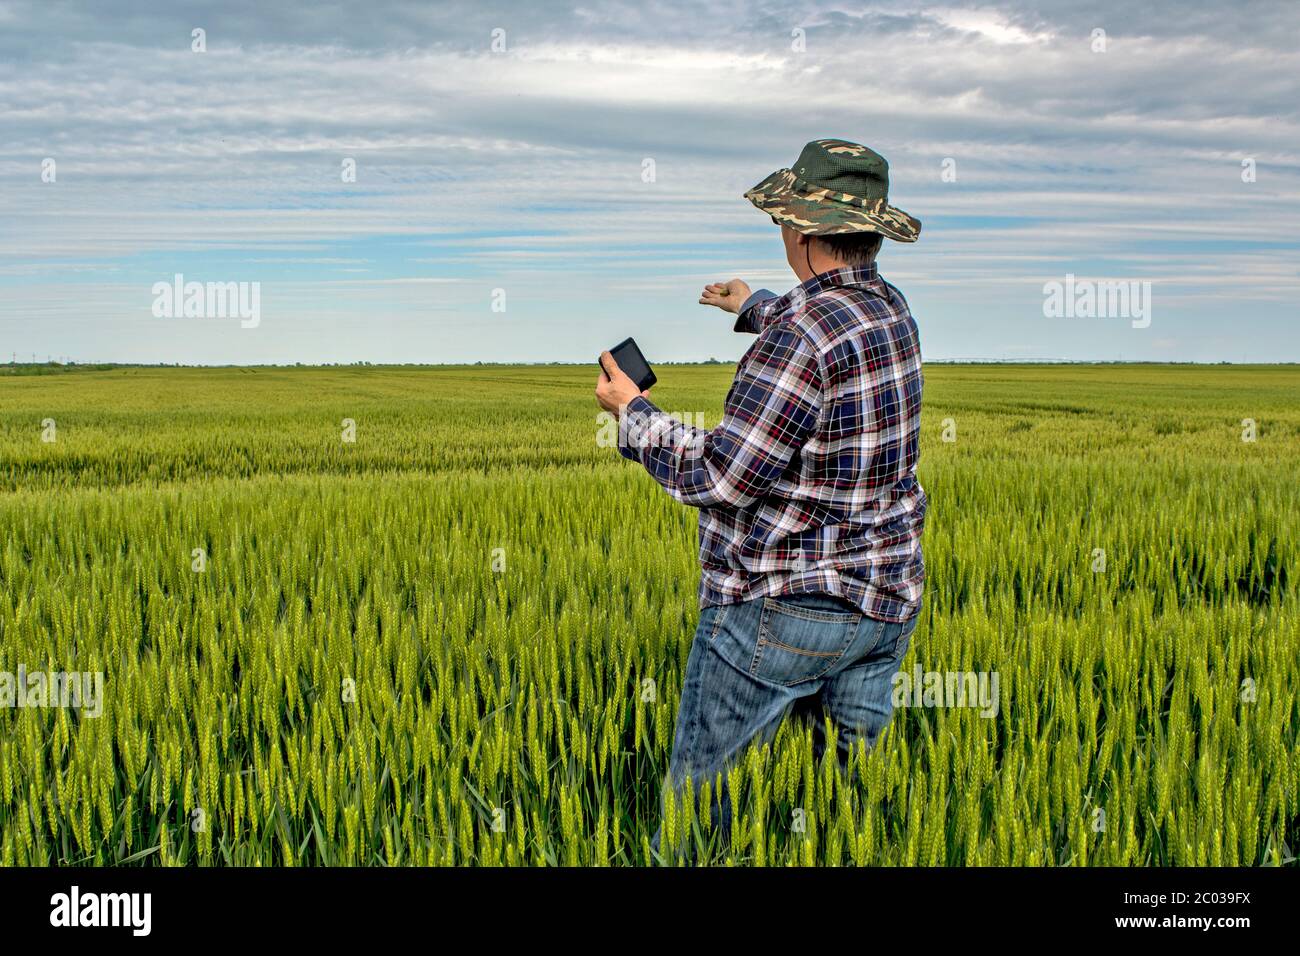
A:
<point x="808" y="484"/>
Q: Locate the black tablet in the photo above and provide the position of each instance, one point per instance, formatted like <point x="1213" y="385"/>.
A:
<point x="633" y="364"/>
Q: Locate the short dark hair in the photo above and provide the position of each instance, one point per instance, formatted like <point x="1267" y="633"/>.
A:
<point x="853" y="248"/>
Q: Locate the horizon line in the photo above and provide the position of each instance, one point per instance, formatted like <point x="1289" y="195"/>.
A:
<point x="94" y="366"/>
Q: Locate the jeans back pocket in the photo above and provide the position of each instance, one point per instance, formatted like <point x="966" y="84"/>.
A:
<point x="904" y="637"/>
<point x="798" y="643"/>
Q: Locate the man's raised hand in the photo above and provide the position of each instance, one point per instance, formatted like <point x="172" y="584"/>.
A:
<point x="727" y="296"/>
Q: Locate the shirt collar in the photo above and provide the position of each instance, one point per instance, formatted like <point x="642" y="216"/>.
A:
<point x="847" y="275"/>
<point x="853" y="276"/>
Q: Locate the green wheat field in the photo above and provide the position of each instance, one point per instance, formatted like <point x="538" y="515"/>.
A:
<point x="459" y="639"/>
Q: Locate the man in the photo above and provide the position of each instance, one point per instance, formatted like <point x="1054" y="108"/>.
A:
<point x="810" y="511"/>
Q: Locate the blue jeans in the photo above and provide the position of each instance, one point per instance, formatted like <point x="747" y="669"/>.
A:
<point x="753" y="663"/>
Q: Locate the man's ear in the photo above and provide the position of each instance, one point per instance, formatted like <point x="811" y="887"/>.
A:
<point x="801" y="239"/>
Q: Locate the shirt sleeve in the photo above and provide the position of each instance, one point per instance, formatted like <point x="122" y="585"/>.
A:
<point x="770" y="411"/>
<point x="750" y="321"/>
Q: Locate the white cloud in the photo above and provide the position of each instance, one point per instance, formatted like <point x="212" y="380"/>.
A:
<point x="989" y="24"/>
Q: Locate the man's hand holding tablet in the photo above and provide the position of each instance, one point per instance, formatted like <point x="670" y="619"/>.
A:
<point x="624" y="374"/>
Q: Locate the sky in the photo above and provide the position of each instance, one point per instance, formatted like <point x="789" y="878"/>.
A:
<point x="536" y="181"/>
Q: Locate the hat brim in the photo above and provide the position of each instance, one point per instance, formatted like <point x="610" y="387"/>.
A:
<point x="823" y="212"/>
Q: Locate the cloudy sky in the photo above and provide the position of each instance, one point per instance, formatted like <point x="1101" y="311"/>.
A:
<point x="524" y="169"/>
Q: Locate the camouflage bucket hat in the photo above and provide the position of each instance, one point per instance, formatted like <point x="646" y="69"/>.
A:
<point x="834" y="187"/>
